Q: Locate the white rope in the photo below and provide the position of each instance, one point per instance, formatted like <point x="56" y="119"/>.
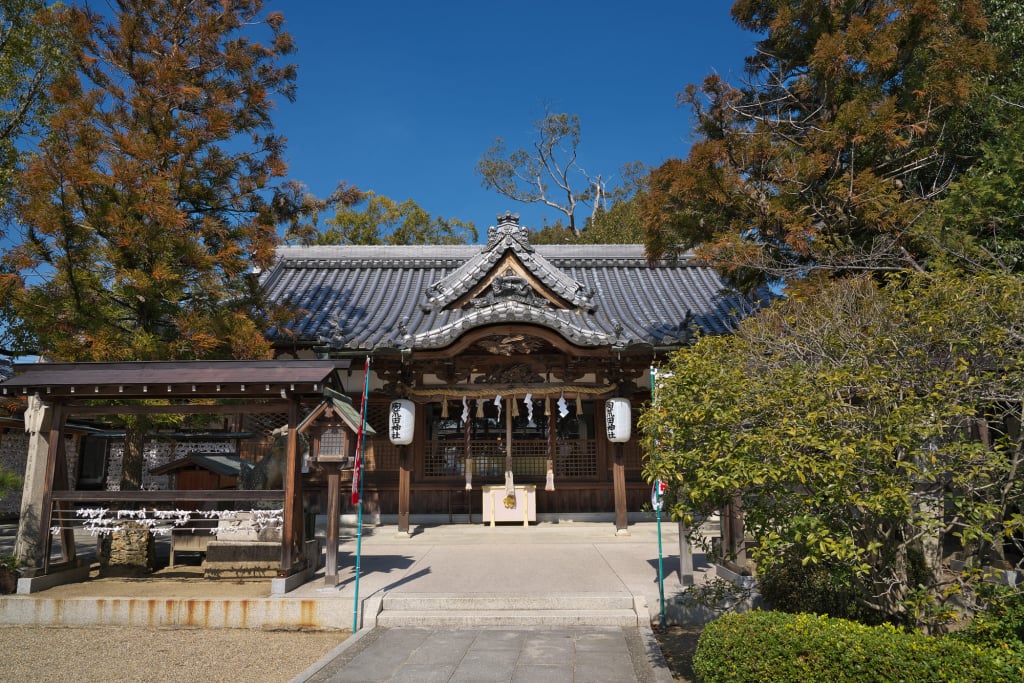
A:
<point x="98" y="522"/>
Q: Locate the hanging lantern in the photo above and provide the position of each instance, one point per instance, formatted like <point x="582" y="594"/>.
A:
<point x="401" y="422"/>
<point x="618" y="420"/>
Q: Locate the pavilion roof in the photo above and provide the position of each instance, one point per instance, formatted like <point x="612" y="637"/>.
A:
<point x="174" y="379"/>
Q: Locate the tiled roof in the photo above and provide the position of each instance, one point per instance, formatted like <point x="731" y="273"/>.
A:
<point x="426" y="297"/>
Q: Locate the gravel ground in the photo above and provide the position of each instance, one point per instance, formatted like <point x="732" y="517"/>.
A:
<point x="138" y="655"/>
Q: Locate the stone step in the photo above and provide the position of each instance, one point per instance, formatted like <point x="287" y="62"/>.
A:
<point x="479" y="618"/>
<point x="248" y="613"/>
<point x="469" y="602"/>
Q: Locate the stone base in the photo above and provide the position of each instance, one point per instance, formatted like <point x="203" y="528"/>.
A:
<point x="129" y="552"/>
<point x="34" y="584"/>
<point x="241" y="560"/>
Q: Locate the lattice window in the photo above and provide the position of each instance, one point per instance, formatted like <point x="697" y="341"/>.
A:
<point x="576" y="459"/>
<point x="264" y="424"/>
<point x="442" y="459"/>
<point x="333" y="442"/>
<point x="381" y="454"/>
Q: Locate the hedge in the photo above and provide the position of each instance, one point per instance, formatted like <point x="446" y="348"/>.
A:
<point x="775" y="646"/>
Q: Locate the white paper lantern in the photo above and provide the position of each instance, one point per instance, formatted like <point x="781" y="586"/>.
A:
<point x="618" y="420"/>
<point x="401" y="421"/>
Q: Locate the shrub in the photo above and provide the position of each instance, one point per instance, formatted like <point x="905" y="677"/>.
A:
<point x="791" y="586"/>
<point x="1000" y="625"/>
<point x="774" y="646"/>
<point x="8" y="574"/>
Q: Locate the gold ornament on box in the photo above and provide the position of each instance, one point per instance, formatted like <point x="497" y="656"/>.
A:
<point x="510" y="502"/>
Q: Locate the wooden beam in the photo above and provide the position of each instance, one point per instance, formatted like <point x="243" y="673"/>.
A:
<point x="166" y="496"/>
<point x="178" y="409"/>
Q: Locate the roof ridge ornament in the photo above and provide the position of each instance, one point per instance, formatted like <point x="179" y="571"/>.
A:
<point x="508" y="233"/>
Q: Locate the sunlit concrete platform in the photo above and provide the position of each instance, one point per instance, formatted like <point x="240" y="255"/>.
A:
<point x="555" y="573"/>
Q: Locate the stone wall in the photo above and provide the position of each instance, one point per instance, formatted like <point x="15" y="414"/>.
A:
<point x="158" y="453"/>
<point x="14" y="456"/>
<point x="13" y="453"/>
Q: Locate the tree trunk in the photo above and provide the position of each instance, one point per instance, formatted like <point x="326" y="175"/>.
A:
<point x="131" y="551"/>
<point x="133" y="456"/>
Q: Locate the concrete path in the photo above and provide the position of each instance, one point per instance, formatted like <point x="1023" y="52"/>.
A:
<point x="568" y="567"/>
<point x="423" y="655"/>
<point x="544" y="562"/>
<point x="544" y="558"/>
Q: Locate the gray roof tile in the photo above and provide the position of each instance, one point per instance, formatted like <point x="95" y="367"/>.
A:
<point x="380" y="297"/>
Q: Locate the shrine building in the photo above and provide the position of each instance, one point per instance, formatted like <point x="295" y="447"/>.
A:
<point x="507" y="357"/>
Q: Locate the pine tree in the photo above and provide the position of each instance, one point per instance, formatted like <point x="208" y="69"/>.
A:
<point x="848" y="123"/>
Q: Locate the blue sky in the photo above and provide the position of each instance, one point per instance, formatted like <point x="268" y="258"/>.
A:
<point x="403" y="98"/>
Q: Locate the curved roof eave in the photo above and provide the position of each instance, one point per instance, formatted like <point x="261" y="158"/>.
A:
<point x="507" y="312"/>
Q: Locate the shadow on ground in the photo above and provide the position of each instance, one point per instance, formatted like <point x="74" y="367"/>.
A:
<point x="678" y="643"/>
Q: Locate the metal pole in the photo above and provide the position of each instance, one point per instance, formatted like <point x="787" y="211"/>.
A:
<point x="359" y="505"/>
<point x="661" y="570"/>
<point x="657" y="489"/>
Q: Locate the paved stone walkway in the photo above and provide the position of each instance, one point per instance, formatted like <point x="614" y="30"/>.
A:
<point x="425" y="655"/>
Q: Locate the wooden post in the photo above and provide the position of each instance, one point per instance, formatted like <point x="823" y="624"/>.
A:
<point x="619" y="480"/>
<point x="46" y="507"/>
<point x="292" y="531"/>
<point x="403" y="489"/>
<point x="333" y="514"/>
<point x="28" y="546"/>
<point x="685" y="557"/>
<point x="60" y="483"/>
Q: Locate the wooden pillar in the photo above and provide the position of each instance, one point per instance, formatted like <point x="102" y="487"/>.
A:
<point x="333" y="515"/>
<point x="64" y="510"/>
<point x="292" y="532"/>
<point x="46" y="506"/>
<point x="685" y="557"/>
<point x="28" y="545"/>
<point x="403" y="489"/>
<point x="619" y="481"/>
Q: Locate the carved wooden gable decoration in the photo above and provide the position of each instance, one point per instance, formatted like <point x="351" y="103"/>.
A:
<point x="508" y="270"/>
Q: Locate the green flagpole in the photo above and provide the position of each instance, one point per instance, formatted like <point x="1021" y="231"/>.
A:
<point x="357" y="495"/>
<point x="658" y="503"/>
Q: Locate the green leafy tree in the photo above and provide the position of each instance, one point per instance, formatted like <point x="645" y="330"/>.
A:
<point x="979" y="223"/>
<point x="145" y="210"/>
<point x="866" y="430"/>
<point x="301" y="209"/>
<point x="376" y="219"/>
<point x="554" y="233"/>
<point x="618" y="222"/>
<point x="621" y="222"/>
<point x="851" y="119"/>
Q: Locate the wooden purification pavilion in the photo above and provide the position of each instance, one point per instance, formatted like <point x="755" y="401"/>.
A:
<point x="292" y="388"/>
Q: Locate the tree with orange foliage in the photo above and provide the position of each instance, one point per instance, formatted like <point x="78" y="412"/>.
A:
<point x="852" y="117"/>
<point x="145" y="210"/>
